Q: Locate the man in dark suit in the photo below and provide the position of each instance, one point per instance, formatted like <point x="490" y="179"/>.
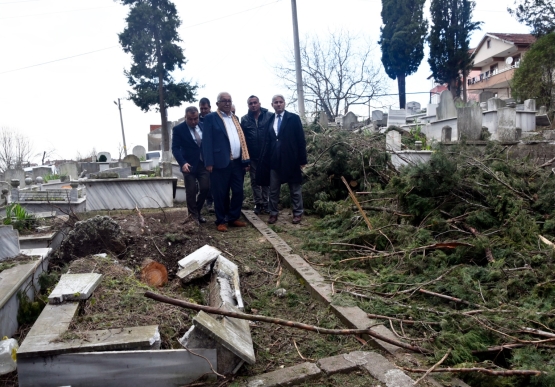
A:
<point x="283" y="158"/>
<point x="187" y="150"/>
<point x="227" y="159"/>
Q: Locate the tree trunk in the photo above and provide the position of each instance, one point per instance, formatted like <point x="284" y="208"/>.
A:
<point x="161" y="99"/>
<point x="402" y="91"/>
<point x="464" y="87"/>
<point x="452" y="86"/>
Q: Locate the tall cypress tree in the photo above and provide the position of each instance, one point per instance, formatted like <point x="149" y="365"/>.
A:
<point x="151" y="38"/>
<point x="402" y="40"/>
<point x="449" y="41"/>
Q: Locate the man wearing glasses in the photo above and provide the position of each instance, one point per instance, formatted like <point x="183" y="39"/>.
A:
<point x="254" y="127"/>
<point x="226" y="158"/>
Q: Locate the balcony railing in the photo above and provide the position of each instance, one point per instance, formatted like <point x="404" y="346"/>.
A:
<point x="488" y="74"/>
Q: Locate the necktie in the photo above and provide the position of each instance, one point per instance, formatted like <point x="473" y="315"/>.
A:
<point x="198" y="140"/>
<point x="279" y="122"/>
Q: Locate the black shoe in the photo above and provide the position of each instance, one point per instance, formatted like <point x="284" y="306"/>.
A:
<point x="201" y="219"/>
<point x="257" y="210"/>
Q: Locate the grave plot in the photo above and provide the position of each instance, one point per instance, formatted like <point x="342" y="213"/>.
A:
<point x="126" y="356"/>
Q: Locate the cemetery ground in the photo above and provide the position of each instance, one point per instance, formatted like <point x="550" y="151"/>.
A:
<point x="166" y="237"/>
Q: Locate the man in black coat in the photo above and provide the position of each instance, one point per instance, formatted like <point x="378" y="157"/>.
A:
<point x="254" y="127"/>
<point x="187" y="150"/>
<point x="283" y="158"/>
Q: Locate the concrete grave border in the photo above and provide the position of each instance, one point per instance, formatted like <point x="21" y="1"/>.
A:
<point x="351" y="316"/>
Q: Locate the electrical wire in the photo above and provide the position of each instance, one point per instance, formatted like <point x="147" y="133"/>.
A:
<point x="53" y="13"/>
<point x="57" y="60"/>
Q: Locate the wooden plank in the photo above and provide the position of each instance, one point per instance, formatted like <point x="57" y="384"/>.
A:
<point x="73" y="287"/>
<point x="162" y="368"/>
<point x="197" y="264"/>
<point x="135" y="338"/>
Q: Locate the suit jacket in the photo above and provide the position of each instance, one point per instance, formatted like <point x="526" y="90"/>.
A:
<point x="184" y="146"/>
<point x="285" y="152"/>
<point x="215" y="142"/>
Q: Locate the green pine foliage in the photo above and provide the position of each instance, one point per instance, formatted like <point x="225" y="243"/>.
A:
<point x="484" y="199"/>
<point x="152" y="39"/>
<point x="449" y="41"/>
<point x="539" y="15"/>
<point x="535" y="77"/>
<point x="402" y="40"/>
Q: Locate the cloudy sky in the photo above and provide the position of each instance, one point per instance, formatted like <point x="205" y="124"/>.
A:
<point x="61" y="66"/>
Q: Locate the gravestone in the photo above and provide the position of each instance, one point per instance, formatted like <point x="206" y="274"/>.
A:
<point x="323" y="121"/>
<point x="413" y="107"/>
<point x="9" y="242"/>
<point x="107" y="154"/>
<point x="69" y="169"/>
<point x="349" y="120"/>
<point x="506" y="124"/>
<point x="393" y="141"/>
<point x="133" y="161"/>
<point x="542" y="110"/>
<point x="155" y="140"/>
<point x="446" y="108"/>
<point x="431" y="109"/>
<point x="530" y="105"/>
<point x="469" y="122"/>
<point x="10" y="174"/>
<point x="446" y="133"/>
<point x="377" y="115"/>
<point x="140" y="152"/>
<point x="41" y="171"/>
<point x="396" y="117"/>
<point x="496" y="104"/>
<point x="486" y="95"/>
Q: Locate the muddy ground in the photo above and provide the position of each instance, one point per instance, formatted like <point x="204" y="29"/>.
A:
<point x="168" y="236"/>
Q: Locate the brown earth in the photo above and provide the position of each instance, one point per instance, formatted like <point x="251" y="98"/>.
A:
<point x="168" y="236"/>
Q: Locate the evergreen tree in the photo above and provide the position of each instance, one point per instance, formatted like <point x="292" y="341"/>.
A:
<point x="539" y="15"/>
<point x="449" y="41"/>
<point x="402" y="40"/>
<point x="535" y="77"/>
<point x="151" y="38"/>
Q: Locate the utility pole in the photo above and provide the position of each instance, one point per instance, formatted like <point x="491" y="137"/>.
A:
<point x="300" y="92"/>
<point x="122" y="132"/>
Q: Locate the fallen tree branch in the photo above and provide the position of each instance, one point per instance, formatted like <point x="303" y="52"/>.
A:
<point x="480" y="370"/>
<point x="410" y="322"/>
<point x="355" y="200"/>
<point x="385" y="209"/>
<point x="454" y="299"/>
<point x="293" y="324"/>
<point x="433" y="367"/>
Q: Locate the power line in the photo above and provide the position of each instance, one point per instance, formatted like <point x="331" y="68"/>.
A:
<point x="57" y="60"/>
<point x="52" y="13"/>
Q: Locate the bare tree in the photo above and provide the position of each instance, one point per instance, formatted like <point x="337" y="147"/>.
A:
<point x="337" y="73"/>
<point x="120" y="151"/>
<point x="15" y="149"/>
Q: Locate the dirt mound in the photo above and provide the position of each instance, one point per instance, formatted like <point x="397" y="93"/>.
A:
<point x="92" y="236"/>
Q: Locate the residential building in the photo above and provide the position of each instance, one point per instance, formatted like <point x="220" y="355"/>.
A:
<point x="496" y="58"/>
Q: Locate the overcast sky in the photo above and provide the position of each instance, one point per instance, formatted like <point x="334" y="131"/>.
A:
<point x="66" y="105"/>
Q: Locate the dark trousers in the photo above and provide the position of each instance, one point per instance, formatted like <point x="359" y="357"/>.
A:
<point x="294" y="191"/>
<point x="224" y="180"/>
<point x="195" y="198"/>
<point x="259" y="193"/>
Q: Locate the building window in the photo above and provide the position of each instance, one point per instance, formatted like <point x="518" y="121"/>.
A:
<point x="488" y="43"/>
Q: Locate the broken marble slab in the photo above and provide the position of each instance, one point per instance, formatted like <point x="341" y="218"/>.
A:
<point x="197" y="264"/>
<point x="225" y="285"/>
<point x="160" y="368"/>
<point x="228" y="362"/>
<point x="233" y="334"/>
<point x="74" y="287"/>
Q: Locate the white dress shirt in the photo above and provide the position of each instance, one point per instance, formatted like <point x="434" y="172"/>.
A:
<point x="234" y="142"/>
<point x="276" y="122"/>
